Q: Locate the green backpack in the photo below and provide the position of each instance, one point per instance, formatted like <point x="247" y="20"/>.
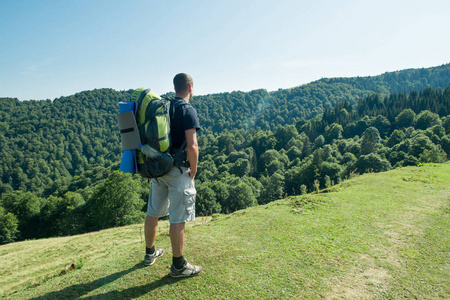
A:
<point x="153" y="122"/>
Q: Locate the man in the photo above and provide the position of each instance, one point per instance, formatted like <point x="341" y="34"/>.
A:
<point x="174" y="193"/>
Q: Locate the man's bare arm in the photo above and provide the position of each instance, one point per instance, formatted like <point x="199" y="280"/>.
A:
<point x="192" y="150"/>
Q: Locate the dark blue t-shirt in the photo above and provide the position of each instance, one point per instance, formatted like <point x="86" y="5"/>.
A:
<point x="184" y="118"/>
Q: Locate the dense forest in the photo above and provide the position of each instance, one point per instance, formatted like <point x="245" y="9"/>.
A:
<point x="60" y="159"/>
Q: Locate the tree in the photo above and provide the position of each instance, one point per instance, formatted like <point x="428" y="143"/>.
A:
<point x="445" y="143"/>
<point x="348" y="158"/>
<point x="332" y="170"/>
<point x="272" y="161"/>
<point x="273" y="188"/>
<point x="405" y="118"/>
<point x="410" y="161"/>
<point x="382" y="124"/>
<point x="284" y="134"/>
<point x="333" y="132"/>
<point x="72" y="216"/>
<point x="293" y="153"/>
<point x="61" y="216"/>
<point x="116" y="202"/>
<point x="396" y="137"/>
<point x="254" y="184"/>
<point x="427" y="119"/>
<point x="240" y="196"/>
<point x="241" y="167"/>
<point x="263" y="141"/>
<point x="8" y="227"/>
<point x="221" y="190"/>
<point x="420" y="143"/>
<point x="352" y="146"/>
<point x="372" y="162"/>
<point x="435" y="154"/>
<point x="206" y="201"/>
<point x="350" y="130"/>
<point x="446" y="124"/>
<point x="396" y="158"/>
<point x="50" y="216"/>
<point x="235" y="155"/>
<point x="370" y="141"/>
<point x="319" y="141"/>
<point x="26" y="208"/>
<point x="303" y="125"/>
<point x="307" y="149"/>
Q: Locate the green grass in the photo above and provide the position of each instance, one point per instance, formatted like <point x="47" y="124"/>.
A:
<point x="376" y="236"/>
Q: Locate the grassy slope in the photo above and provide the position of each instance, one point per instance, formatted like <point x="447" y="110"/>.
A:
<point x="383" y="235"/>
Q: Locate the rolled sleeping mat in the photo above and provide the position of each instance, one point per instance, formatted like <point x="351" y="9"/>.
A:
<point x="129" y="161"/>
<point x="127" y="106"/>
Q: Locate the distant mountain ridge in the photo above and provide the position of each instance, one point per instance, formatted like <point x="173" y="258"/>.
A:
<point x="267" y="110"/>
<point x="402" y="81"/>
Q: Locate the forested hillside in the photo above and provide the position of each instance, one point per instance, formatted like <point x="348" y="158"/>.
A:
<point x="263" y="110"/>
<point x="45" y="143"/>
<point x="59" y="159"/>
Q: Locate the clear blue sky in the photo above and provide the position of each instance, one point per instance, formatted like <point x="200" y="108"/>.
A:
<point x="56" y="48"/>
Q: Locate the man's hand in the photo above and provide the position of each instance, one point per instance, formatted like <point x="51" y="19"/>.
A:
<point x="192" y="173"/>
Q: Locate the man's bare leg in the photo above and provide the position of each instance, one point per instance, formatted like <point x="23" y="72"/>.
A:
<point x="150" y="229"/>
<point x="151" y="254"/>
<point x="180" y="267"/>
<point x="177" y="238"/>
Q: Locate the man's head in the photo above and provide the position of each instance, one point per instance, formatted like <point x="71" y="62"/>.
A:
<point x="184" y="86"/>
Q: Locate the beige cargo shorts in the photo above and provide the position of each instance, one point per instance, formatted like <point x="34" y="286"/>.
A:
<point x="173" y="194"/>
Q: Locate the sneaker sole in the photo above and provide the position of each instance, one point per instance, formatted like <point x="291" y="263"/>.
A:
<point x="149" y="264"/>
<point x="183" y="276"/>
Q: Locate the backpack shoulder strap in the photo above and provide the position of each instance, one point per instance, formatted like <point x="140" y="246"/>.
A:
<point x="178" y="153"/>
<point x="174" y="105"/>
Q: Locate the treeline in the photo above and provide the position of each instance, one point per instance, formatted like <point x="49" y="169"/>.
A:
<point x="114" y="201"/>
<point x="45" y="143"/>
<point x="263" y="110"/>
<point x="399" y="81"/>
<point x="242" y="168"/>
<point x="384" y="109"/>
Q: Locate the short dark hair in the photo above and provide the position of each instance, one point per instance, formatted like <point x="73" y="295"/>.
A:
<point x="182" y="81"/>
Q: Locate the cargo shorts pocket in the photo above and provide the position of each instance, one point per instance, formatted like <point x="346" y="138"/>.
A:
<point x="189" y="198"/>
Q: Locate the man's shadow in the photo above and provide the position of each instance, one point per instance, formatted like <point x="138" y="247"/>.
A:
<point x="78" y="290"/>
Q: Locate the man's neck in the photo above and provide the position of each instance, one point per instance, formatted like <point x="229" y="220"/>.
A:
<point x="182" y="96"/>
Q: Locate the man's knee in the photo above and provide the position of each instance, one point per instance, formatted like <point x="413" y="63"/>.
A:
<point x="151" y="221"/>
<point x="177" y="227"/>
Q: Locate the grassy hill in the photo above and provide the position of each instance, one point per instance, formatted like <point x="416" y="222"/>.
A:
<point x="384" y="235"/>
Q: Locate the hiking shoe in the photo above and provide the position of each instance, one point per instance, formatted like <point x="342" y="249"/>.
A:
<point x="187" y="270"/>
<point x="149" y="259"/>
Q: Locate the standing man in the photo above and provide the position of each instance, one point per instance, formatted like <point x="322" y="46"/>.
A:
<point x="174" y="193"/>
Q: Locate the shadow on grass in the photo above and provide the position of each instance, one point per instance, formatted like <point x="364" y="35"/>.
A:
<point x="77" y="291"/>
<point x="137" y="291"/>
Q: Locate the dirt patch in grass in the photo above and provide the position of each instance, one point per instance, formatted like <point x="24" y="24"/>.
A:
<point x="362" y="281"/>
<point x="375" y="271"/>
